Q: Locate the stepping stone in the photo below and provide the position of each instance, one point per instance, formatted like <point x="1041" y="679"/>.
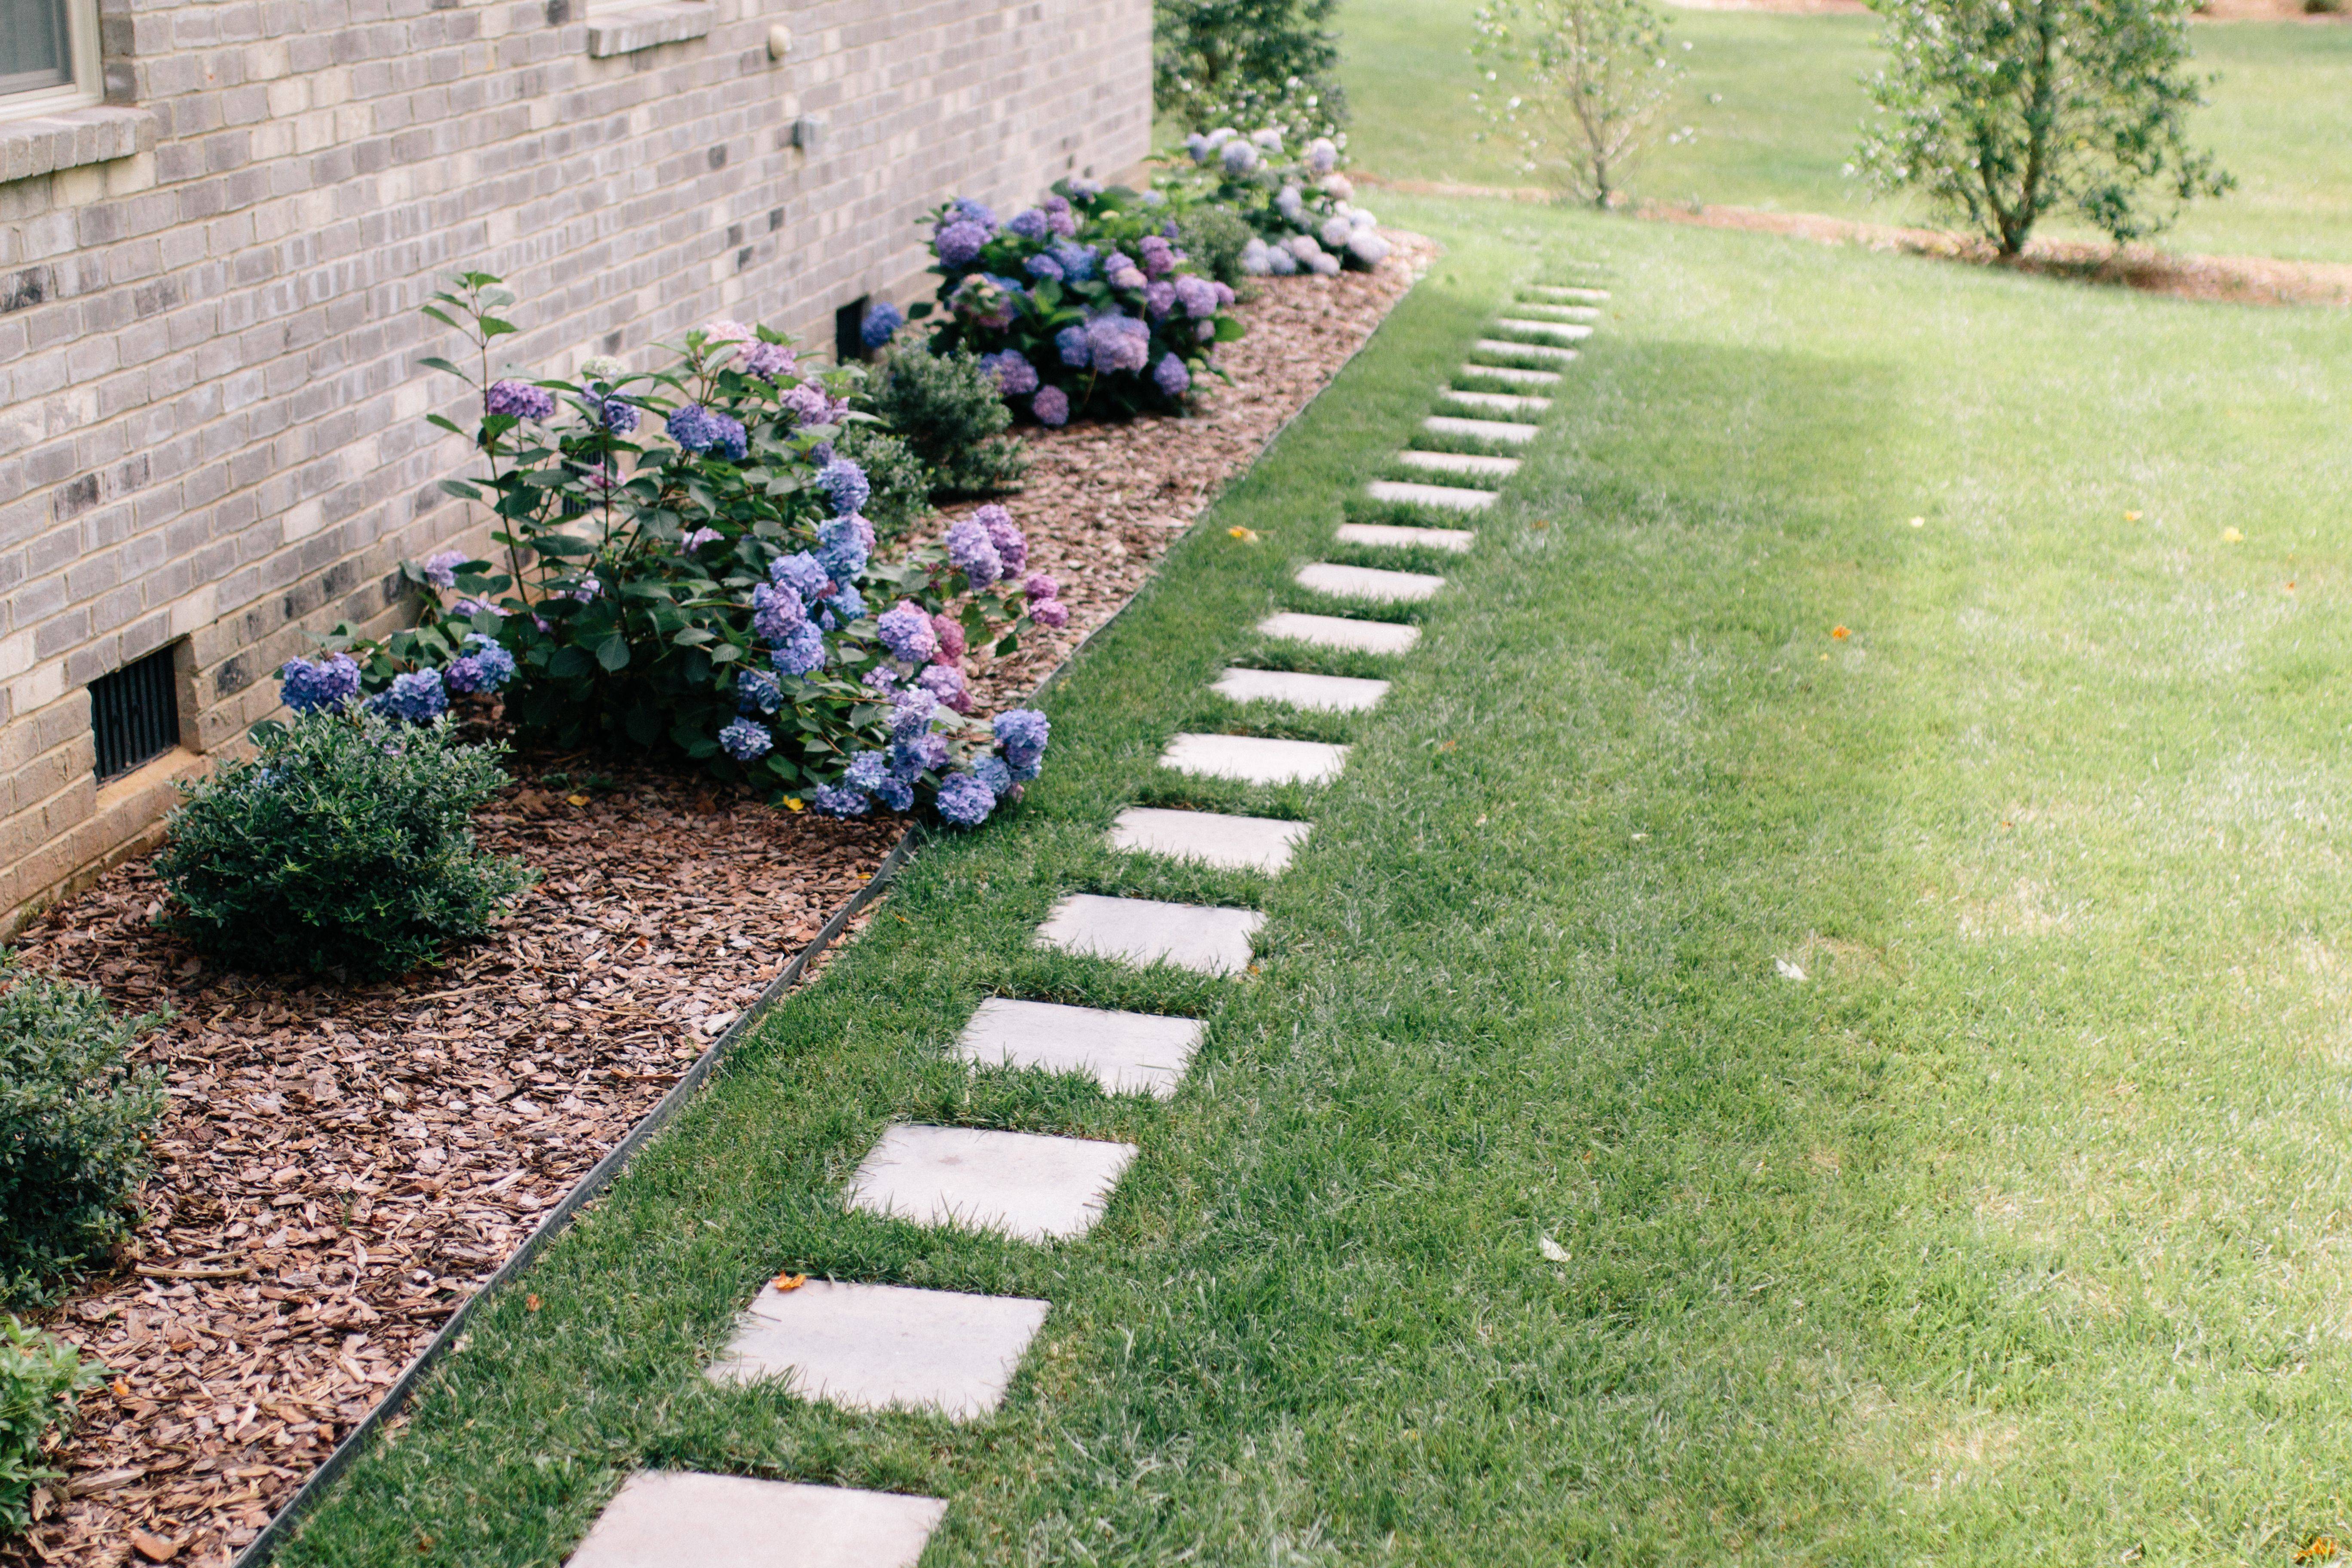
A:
<point x="682" y="1519"/>
<point x="1482" y="429"/>
<point x="1338" y="631"/>
<point x="1562" y="291"/>
<point x="1461" y="463"/>
<point x="1213" y="838"/>
<point x="1501" y="401"/>
<point x="1369" y="583"/>
<point x="1031" y="1188"/>
<point x="1127" y="1053"/>
<point x="1330" y="693"/>
<point x="1515" y="374"/>
<point x="1392" y="536"/>
<point x="1537" y="351"/>
<point x="1561" y="312"/>
<point x="878" y="1347"/>
<point x="1449" y="497"/>
<point x="1550" y="331"/>
<point x="1255" y="759"/>
<point x="1205" y="938"/>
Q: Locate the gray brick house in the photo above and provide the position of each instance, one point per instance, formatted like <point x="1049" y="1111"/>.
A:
<point x="217" y="218"/>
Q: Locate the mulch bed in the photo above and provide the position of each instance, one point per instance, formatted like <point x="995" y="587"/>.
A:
<point x="343" y="1166"/>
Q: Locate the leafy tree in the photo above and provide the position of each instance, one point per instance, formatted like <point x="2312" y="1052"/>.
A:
<point x="1246" y="63"/>
<point x="1576" y="83"/>
<point x="2008" y="111"/>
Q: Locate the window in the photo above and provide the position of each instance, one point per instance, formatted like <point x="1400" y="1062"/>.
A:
<point x="134" y="713"/>
<point x="48" y="56"/>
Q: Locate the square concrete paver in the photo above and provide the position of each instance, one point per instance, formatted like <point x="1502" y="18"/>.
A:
<point x="1338" y="631"/>
<point x="875" y="1347"/>
<point x="1500" y="402"/>
<point x="1562" y="291"/>
<point x="1518" y="375"/>
<point x="1368" y="583"/>
<point x="1461" y="463"/>
<point x="1529" y="350"/>
<point x="1393" y="536"/>
<point x="683" y="1519"/>
<point x="1507" y="431"/>
<point x="1212" y="837"/>
<point x="1255" y="759"/>
<point x="1446" y="498"/>
<point x="1205" y="937"/>
<point x="1127" y="1053"/>
<point x="1550" y="331"/>
<point x="1543" y="312"/>
<point x="1031" y="1188"/>
<point x="1330" y="693"/>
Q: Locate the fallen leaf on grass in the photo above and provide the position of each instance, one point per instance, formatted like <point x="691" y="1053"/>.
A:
<point x="1919" y="522"/>
<point x="794" y="803"/>
<point x="1246" y="535"/>
<point x="1551" y="1249"/>
<point x="1788" y="970"/>
<point x="789" y="1281"/>
<point x="2318" y="1549"/>
<point x="2232" y="536"/>
<point x="1841" y="633"/>
<point x="2131" y="517"/>
<point x="576" y="799"/>
<point x="531" y="1303"/>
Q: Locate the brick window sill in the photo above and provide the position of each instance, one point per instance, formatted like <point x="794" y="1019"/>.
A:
<point x="45" y="144"/>
<point x="643" y="26"/>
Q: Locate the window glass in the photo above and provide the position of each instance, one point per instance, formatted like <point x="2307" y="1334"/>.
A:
<point x="35" y="45"/>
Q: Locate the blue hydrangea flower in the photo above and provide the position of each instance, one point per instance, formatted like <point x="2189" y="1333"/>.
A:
<point x="776" y="612"/>
<point x="744" y="740"/>
<point x="991" y="770"/>
<point x="960" y="243"/>
<point x="803" y="652"/>
<point x="1011" y="370"/>
<point x="845" y="605"/>
<point x="309" y="688"/>
<point x="911" y="714"/>
<point x="845" y="481"/>
<point x="1070" y="342"/>
<point x="971" y="211"/>
<point x="910" y="759"/>
<point x="1118" y="343"/>
<point x="882" y="323"/>
<point x="756" y="691"/>
<point x="618" y="415"/>
<point x="693" y="427"/>
<point x="896" y="795"/>
<point x="519" y="399"/>
<point x="1012" y="544"/>
<point x="440" y="569"/>
<point x="882" y="678"/>
<point x="840" y="800"/>
<point x="842" y="548"/>
<point x="1029" y="223"/>
<point x="964" y="801"/>
<point x="1023" y="733"/>
<point x="418" y="697"/>
<point x="1044" y="269"/>
<point x="906" y="632"/>
<point x="484" y="667"/>
<point x="802" y="572"/>
<point x="867" y="771"/>
<point x="971" y="550"/>
<point x="1076" y="262"/>
<point x="1171" y="377"/>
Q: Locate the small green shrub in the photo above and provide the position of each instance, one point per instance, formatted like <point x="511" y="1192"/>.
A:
<point x="74" y="1115"/>
<point x="1214" y="236"/>
<point x="953" y="415"/>
<point x="346" y="846"/>
<point x="39" y="1375"/>
<point x="901" y="482"/>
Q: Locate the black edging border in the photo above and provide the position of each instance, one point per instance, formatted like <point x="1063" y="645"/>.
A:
<point x="602" y="1175"/>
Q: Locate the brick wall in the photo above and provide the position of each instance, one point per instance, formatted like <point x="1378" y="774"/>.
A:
<point x="211" y="420"/>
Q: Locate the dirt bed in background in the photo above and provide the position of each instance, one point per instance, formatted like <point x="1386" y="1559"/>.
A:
<point x="343" y="1167"/>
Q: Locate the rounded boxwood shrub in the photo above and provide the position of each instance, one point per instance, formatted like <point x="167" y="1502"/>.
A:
<point x="953" y="414"/>
<point x="39" y="1375"/>
<point x="74" y="1117"/>
<point x="1214" y="236"/>
<point x="346" y="845"/>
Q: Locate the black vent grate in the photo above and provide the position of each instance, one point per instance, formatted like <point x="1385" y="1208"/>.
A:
<point x="849" y="331"/>
<point x="135" y="714"/>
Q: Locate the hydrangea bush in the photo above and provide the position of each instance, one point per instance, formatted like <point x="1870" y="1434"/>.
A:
<point x="1082" y="304"/>
<point x="1300" y="206"/>
<point x="686" y="567"/>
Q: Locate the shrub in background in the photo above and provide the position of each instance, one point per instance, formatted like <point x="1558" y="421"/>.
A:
<point x="1248" y="62"/>
<point x="1080" y="304"/>
<point x="1214" y="237"/>
<point x="74" y="1118"/>
<point x="952" y="414"/>
<point x="39" y="1376"/>
<point x="1576" y="85"/>
<point x="1297" y="208"/>
<point x="346" y="845"/>
<point x="900" y="482"/>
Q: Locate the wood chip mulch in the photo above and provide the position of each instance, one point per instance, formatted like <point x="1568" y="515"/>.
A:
<point x="343" y="1166"/>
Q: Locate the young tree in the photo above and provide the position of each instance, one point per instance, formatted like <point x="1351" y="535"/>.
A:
<point x="1576" y="83"/>
<point x="1217" y="62"/>
<point x="2008" y="111"/>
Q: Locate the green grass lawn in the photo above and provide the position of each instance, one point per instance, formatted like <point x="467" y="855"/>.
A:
<point x="1776" y="103"/>
<point x="2015" y="1232"/>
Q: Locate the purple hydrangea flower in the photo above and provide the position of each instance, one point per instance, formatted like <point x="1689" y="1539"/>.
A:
<point x="840" y="607"/>
<point x="882" y="678"/>
<point x="1158" y="296"/>
<point x="519" y="399"/>
<point x="809" y="405"/>
<point x="1051" y="405"/>
<point x="912" y="758"/>
<point x="1058" y="216"/>
<point x="1011" y="370"/>
<point x="971" y="211"/>
<point x="1198" y="296"/>
<point x="803" y="652"/>
<point x="882" y="323"/>
<point x="1051" y="613"/>
<point x="1044" y="268"/>
<point x="618" y="415"/>
<point x="896" y="795"/>
<point x="756" y="691"/>
<point x="693" y="426"/>
<point x="867" y="771"/>
<point x="964" y="801"/>
<point x="731" y="442"/>
<point x="441" y="568"/>
<point x="1086" y="190"/>
<point x="1158" y="256"/>
<point x="1070" y="342"/>
<point x="945" y="681"/>
<point x="845" y="481"/>
<point x="1322" y="156"/>
<point x="725" y="330"/>
<point x="1171" y="377"/>
<point x="840" y="800"/>
<point x="776" y="613"/>
<point x="990" y="769"/>
<point x="1118" y="343"/>
<point x="912" y="713"/>
<point x="960" y="243"/>
<point x="800" y="573"/>
<point x="1012" y="544"/>
<point x="768" y="361"/>
<point x="906" y="632"/>
<point x="418" y="697"/>
<point x="974" y="553"/>
<point x="1023" y="733"/>
<point x="1040" y="588"/>
<point x="951" y="635"/>
<point x="1029" y="223"/>
<point x="325" y="687"/>
<point x="1238" y="157"/>
<point x="467" y="609"/>
<point x="988" y="300"/>
<point x="698" y="539"/>
<point x="842" y="546"/>
<point x="484" y="666"/>
<point x="745" y="740"/>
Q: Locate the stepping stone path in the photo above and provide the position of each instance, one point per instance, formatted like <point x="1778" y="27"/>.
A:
<point x="1560" y="313"/>
<point x="1031" y="1188"/>
<point x="873" y="1346"/>
<point x="1127" y="1053"/>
